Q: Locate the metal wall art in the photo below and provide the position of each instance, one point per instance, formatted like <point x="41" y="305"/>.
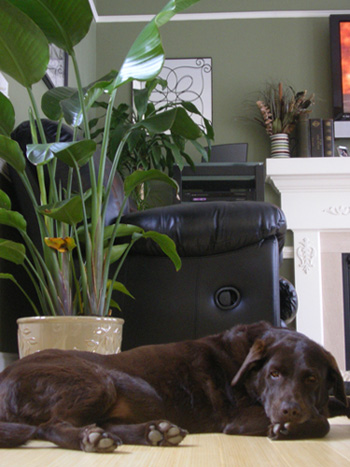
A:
<point x="189" y="79"/>
<point x="57" y="70"/>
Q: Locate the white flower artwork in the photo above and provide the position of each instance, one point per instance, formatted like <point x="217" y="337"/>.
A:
<point x="189" y="79"/>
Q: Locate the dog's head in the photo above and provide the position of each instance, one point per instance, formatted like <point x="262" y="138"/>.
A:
<point x="291" y="376"/>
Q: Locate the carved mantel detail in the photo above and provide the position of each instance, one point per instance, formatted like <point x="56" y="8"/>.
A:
<point x="338" y="210"/>
<point x="306" y="253"/>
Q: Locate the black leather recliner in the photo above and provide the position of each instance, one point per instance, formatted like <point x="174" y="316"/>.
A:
<point x="231" y="253"/>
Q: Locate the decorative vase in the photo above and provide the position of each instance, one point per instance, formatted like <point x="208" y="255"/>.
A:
<point x="90" y="333"/>
<point x="280" y="145"/>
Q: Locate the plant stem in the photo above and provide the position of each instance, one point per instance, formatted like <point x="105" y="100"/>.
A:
<point x="95" y="212"/>
<point x="36" y="311"/>
<point x="106" y="266"/>
<point x="104" y="145"/>
<point x="86" y="127"/>
<point x="115" y="275"/>
<point x="113" y="171"/>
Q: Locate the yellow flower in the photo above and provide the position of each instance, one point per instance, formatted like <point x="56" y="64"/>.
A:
<point x="60" y="244"/>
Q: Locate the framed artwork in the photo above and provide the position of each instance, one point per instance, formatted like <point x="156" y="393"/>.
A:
<point x="189" y="79"/>
<point x="57" y="70"/>
<point x="343" y="151"/>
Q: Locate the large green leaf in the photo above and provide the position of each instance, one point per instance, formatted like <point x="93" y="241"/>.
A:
<point x="117" y="252"/>
<point x="177" y="120"/>
<point x="71" y="109"/>
<point x="68" y="211"/>
<point x="5" y="201"/>
<point x="141" y="176"/>
<point x="123" y="230"/>
<point x="40" y="154"/>
<point x="12" y="278"/>
<point x="166" y="244"/>
<point x="119" y="287"/>
<point x="185" y="126"/>
<point x="179" y="160"/>
<point x="80" y="152"/>
<point x="141" y="96"/>
<point x="51" y="101"/>
<point x="158" y="123"/>
<point x="64" y="22"/>
<point x="12" y="219"/>
<point x="145" y="58"/>
<point x="12" y="251"/>
<point x="64" y="101"/>
<point x="7" y="115"/>
<point x="24" y="50"/>
<point x="76" y="153"/>
<point x="71" y="106"/>
<point x="11" y="153"/>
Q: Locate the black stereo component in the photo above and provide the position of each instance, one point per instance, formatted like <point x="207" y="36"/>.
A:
<point x="221" y="181"/>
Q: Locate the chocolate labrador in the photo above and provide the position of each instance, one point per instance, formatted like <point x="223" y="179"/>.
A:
<point x="250" y="380"/>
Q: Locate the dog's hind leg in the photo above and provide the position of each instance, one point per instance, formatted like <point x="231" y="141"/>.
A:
<point x="153" y="433"/>
<point x="87" y="438"/>
<point x="15" y="434"/>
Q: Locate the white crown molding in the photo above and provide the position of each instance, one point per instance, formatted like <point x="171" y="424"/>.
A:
<point x="218" y="16"/>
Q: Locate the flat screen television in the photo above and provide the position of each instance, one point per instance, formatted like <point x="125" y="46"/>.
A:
<point x="340" y="61"/>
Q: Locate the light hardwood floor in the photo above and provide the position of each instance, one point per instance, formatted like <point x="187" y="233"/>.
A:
<point x="212" y="450"/>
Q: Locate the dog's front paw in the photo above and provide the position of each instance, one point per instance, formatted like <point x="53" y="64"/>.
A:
<point x="95" y="439"/>
<point x="164" y="433"/>
<point x="316" y="427"/>
<point x="279" y="431"/>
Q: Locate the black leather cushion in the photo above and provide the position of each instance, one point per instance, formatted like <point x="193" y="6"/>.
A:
<point x="202" y="229"/>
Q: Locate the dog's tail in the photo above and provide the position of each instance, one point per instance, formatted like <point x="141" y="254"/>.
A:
<point x="15" y="434"/>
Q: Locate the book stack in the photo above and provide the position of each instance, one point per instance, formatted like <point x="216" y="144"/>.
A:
<point x="315" y="137"/>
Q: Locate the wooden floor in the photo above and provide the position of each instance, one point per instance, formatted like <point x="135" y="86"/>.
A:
<point x="198" y="450"/>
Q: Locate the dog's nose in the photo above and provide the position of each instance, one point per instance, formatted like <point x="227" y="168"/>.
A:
<point x="291" y="411"/>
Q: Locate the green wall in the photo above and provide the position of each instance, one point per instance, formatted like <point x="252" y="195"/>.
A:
<point x="246" y="53"/>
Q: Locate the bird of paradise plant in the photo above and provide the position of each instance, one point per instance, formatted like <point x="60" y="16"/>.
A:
<point x="72" y="224"/>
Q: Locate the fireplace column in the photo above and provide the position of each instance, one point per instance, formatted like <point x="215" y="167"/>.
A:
<point x="315" y="197"/>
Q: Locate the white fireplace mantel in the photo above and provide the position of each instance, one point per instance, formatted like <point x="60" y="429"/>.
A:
<point x="315" y="197"/>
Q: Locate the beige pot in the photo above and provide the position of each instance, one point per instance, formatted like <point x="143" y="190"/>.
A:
<point x="91" y="333"/>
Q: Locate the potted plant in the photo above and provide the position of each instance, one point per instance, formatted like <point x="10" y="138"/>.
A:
<point x="71" y="224"/>
<point x="149" y="146"/>
<point x="280" y="109"/>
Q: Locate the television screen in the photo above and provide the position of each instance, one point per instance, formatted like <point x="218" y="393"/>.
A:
<point x="340" y="60"/>
<point x="344" y="33"/>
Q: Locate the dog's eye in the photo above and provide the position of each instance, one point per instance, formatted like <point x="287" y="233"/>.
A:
<point x="311" y="379"/>
<point x="274" y="374"/>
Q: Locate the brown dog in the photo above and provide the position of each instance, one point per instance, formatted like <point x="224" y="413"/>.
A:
<point x="250" y="380"/>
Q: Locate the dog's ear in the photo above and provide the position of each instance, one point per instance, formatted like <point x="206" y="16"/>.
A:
<point x="255" y="354"/>
<point x="336" y="380"/>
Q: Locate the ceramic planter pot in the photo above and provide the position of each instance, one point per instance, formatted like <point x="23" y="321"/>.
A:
<point x="90" y="333"/>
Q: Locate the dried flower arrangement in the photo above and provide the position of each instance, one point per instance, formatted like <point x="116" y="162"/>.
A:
<point x="280" y="108"/>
